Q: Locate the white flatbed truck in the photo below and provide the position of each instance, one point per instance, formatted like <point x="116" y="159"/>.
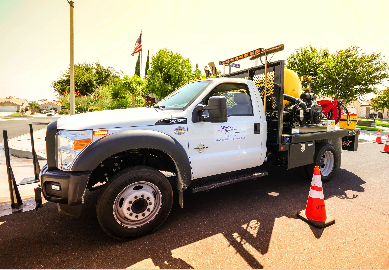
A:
<point x="209" y="133"/>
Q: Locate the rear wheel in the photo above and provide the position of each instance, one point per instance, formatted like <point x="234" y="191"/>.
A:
<point x="326" y="159"/>
<point x="137" y="202"/>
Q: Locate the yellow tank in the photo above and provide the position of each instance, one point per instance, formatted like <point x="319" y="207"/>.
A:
<point x="292" y="85"/>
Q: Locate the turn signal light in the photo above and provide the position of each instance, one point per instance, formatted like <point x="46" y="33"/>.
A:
<point x="81" y="144"/>
<point x="100" y="132"/>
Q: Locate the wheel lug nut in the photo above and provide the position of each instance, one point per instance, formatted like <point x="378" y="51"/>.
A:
<point x="150" y="203"/>
<point x="136" y="197"/>
<point x="136" y="216"/>
<point x="148" y="209"/>
<point x="130" y="202"/>
<point x="143" y="214"/>
<point x="148" y="198"/>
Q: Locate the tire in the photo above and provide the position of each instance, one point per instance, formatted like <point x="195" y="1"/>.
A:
<point x="327" y="159"/>
<point x="145" y="192"/>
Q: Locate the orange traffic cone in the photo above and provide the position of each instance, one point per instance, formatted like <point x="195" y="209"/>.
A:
<point x="378" y="139"/>
<point x="315" y="212"/>
<point x="386" y="148"/>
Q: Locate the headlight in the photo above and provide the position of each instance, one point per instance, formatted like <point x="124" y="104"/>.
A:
<point x="70" y="143"/>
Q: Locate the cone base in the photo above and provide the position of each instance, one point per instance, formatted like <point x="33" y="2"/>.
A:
<point x="318" y="224"/>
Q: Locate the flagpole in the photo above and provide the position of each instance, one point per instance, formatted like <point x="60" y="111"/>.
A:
<point x="141" y="63"/>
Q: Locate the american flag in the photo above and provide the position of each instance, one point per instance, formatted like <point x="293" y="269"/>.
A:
<point x="138" y="45"/>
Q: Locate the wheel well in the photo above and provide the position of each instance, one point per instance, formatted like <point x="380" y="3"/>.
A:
<point x="147" y="157"/>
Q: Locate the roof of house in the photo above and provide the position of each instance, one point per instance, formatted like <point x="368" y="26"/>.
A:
<point x="16" y="101"/>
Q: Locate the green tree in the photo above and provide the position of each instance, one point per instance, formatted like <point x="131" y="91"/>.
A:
<point x="347" y="74"/>
<point x="34" y="106"/>
<point x="147" y="63"/>
<point x="87" y="77"/>
<point x="120" y="96"/>
<point x="306" y="60"/>
<point x="197" y="73"/>
<point x="168" y="72"/>
<point x="137" y="66"/>
<point x="134" y="86"/>
<point x="382" y="101"/>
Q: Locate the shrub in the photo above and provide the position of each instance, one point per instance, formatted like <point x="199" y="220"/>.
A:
<point x="64" y="111"/>
<point x="382" y="124"/>
<point x="94" y="108"/>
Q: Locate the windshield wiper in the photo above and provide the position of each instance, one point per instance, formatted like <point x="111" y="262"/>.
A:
<point x="159" y="106"/>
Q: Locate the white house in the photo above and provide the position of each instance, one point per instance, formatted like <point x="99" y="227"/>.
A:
<point x="12" y="104"/>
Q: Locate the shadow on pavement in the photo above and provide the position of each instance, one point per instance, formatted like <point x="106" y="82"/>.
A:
<point x="244" y="213"/>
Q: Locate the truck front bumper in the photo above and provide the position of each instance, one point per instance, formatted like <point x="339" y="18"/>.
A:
<point x="64" y="187"/>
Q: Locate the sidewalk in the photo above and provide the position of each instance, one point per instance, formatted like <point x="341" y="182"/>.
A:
<point x="367" y="136"/>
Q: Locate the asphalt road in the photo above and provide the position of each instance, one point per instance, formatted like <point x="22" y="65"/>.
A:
<point x="20" y="125"/>
<point x="252" y="224"/>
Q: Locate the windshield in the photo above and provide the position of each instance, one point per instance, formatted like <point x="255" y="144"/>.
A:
<point x="181" y="98"/>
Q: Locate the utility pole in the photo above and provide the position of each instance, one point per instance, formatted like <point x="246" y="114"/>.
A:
<point x="72" y="102"/>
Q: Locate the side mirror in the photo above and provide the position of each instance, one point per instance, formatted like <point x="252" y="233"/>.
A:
<point x="217" y="108"/>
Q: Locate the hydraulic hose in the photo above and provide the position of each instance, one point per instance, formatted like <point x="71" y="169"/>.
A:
<point x="295" y="101"/>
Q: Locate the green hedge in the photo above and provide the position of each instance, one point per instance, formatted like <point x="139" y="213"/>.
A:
<point x="382" y="124"/>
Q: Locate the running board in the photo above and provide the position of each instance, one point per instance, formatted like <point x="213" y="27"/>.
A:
<point x="224" y="180"/>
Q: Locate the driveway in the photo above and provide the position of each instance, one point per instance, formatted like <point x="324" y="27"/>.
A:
<point x="5" y="113"/>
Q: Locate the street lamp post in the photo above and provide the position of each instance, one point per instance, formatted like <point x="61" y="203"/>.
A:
<point x="72" y="103"/>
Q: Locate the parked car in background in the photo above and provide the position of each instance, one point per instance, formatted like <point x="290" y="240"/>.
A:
<point x="51" y="113"/>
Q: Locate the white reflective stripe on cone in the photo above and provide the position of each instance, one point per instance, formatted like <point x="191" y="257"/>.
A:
<point x="316" y="181"/>
<point x="316" y="194"/>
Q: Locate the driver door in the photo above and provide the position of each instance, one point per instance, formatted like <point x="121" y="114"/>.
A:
<point x="216" y="148"/>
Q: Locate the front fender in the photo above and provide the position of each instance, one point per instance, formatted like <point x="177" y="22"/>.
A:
<point x="121" y="141"/>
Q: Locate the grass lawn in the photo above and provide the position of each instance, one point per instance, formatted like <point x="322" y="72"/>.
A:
<point x="15" y="114"/>
<point x="367" y="128"/>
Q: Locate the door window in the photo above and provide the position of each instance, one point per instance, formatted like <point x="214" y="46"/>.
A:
<point x="238" y="98"/>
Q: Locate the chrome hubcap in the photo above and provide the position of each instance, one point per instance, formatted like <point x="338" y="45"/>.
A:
<point x="137" y="204"/>
<point x="327" y="163"/>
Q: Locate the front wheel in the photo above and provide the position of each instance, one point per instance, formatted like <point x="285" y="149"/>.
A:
<point x="137" y="202"/>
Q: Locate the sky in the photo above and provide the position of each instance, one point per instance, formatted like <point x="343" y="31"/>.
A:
<point x="35" y="34"/>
